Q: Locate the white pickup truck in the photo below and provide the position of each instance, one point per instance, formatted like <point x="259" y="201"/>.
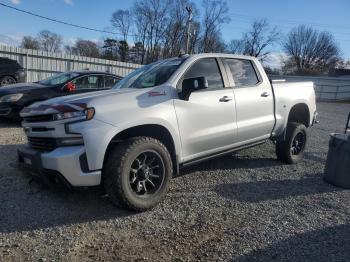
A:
<point x="161" y="117"/>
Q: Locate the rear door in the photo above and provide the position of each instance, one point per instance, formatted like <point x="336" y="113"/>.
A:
<point x="207" y="121"/>
<point x="254" y="100"/>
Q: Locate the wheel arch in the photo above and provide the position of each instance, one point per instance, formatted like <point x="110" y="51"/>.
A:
<point x="155" y="131"/>
<point x="299" y="113"/>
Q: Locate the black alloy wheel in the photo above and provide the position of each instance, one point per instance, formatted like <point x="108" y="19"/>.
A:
<point x="298" y="143"/>
<point x="147" y="173"/>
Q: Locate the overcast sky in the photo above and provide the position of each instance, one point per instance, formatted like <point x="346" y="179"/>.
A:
<point x="333" y="16"/>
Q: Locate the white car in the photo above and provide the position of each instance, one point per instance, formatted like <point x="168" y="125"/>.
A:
<point x="161" y="117"/>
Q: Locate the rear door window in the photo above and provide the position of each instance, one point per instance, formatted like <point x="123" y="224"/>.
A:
<point x="243" y="72"/>
<point x="110" y="81"/>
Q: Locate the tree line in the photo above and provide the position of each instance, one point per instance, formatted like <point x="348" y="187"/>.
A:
<point x="155" y="29"/>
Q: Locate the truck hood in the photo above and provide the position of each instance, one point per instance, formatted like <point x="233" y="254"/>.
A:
<point x="87" y="97"/>
<point x="70" y="103"/>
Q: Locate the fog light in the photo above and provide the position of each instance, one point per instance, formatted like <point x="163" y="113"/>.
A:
<point x="71" y="141"/>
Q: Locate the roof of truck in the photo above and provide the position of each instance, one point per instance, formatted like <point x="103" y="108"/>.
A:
<point x="221" y="55"/>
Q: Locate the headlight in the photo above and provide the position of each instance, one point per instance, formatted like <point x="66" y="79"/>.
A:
<point x="86" y="114"/>
<point x="11" y="98"/>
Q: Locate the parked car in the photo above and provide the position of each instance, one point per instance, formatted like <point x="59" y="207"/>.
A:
<point x="13" y="98"/>
<point x="162" y="117"/>
<point x="11" y="72"/>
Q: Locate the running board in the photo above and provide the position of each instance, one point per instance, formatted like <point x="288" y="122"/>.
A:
<point x="222" y="153"/>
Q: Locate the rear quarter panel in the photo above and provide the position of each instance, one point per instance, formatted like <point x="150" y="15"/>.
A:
<point x="288" y="95"/>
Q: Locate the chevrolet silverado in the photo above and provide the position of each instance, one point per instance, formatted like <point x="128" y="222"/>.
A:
<point x="164" y="116"/>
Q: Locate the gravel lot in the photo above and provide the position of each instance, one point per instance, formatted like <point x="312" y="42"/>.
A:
<point x="243" y="207"/>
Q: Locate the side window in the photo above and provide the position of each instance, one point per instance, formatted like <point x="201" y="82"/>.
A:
<point x="110" y="81"/>
<point x="87" y="82"/>
<point x="243" y="72"/>
<point x="209" y="68"/>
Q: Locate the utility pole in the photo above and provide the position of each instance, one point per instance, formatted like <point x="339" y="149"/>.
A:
<point x="188" y="34"/>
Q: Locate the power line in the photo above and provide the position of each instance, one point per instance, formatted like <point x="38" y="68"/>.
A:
<point x="59" y="21"/>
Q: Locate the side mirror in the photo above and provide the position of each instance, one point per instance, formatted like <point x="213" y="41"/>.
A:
<point x="190" y="85"/>
<point x="69" y="87"/>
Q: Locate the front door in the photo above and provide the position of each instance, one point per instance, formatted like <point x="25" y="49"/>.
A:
<point x="207" y="120"/>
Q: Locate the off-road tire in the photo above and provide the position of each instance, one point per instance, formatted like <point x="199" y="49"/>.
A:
<point x="116" y="173"/>
<point x="283" y="147"/>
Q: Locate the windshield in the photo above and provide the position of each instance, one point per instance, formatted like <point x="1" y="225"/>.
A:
<point x="58" y="79"/>
<point x="151" y="75"/>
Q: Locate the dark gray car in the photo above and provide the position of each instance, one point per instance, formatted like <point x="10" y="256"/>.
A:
<point x="11" y="72"/>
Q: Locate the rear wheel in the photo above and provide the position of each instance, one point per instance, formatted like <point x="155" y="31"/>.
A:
<point x="137" y="173"/>
<point x="291" y="150"/>
<point x="7" y="80"/>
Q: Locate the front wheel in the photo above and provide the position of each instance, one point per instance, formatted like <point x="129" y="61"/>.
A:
<point x="137" y="173"/>
<point x="291" y="149"/>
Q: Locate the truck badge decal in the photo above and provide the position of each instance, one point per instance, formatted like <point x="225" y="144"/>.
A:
<point x="155" y="93"/>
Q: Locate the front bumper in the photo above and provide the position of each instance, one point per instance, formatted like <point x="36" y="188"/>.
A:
<point x="63" y="163"/>
<point x="9" y="110"/>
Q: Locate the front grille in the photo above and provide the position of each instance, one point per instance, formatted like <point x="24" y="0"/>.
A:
<point x="42" y="143"/>
<point x="38" y="118"/>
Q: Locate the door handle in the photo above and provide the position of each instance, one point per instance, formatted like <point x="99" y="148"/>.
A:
<point x="225" y="99"/>
<point x="265" y="94"/>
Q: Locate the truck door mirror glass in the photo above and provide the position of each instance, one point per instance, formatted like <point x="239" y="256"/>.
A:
<point x="190" y="85"/>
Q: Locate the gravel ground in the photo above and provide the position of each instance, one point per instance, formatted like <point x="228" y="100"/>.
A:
<point x="243" y="207"/>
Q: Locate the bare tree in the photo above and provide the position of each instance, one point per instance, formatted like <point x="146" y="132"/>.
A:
<point x="30" y="43"/>
<point x="236" y="46"/>
<point x="153" y="14"/>
<point x="49" y="41"/>
<point x="110" y="49"/>
<point x="256" y="41"/>
<point x="175" y="32"/>
<point x="136" y="53"/>
<point x="215" y="14"/>
<point x="122" y="20"/>
<point x="84" y="48"/>
<point x="123" y="51"/>
<point x="343" y="64"/>
<point x="141" y="24"/>
<point x="310" y="51"/>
